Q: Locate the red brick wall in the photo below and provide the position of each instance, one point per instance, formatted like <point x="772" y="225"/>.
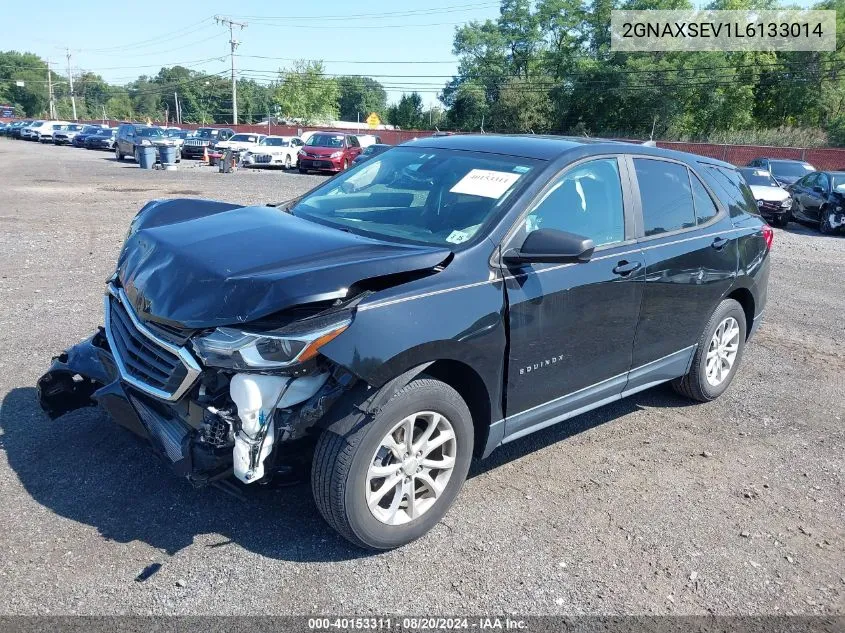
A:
<point x="831" y="158"/>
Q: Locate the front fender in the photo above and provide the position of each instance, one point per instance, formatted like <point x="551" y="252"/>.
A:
<point x="388" y="338"/>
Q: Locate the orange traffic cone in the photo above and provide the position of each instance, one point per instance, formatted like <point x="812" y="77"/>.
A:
<point x="205" y="155"/>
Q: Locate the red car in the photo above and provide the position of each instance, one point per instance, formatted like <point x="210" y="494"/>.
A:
<point x="328" y="151"/>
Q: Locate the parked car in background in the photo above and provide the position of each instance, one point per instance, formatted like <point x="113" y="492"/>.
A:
<point x="44" y="132"/>
<point x="177" y="135"/>
<point x="17" y="128"/>
<point x="101" y="139"/>
<point x="819" y="200"/>
<point x="785" y="171"/>
<point x="29" y="130"/>
<point x="328" y="151"/>
<point x="79" y="139"/>
<point x="553" y="276"/>
<point x="131" y="137"/>
<point x="4" y="127"/>
<point x="368" y="139"/>
<point x="371" y="151"/>
<point x="273" y="151"/>
<point x="205" y="138"/>
<point x="240" y="142"/>
<point x="66" y="134"/>
<point x="773" y="201"/>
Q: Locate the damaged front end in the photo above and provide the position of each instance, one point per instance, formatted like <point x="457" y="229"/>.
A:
<point x="212" y="403"/>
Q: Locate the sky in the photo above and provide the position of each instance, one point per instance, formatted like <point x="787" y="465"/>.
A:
<point x="120" y="41"/>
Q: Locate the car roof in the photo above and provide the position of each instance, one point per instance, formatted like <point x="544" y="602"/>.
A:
<point x="548" y="147"/>
<point x="784" y="160"/>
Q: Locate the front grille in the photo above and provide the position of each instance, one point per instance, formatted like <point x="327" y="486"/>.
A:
<point x="765" y="205"/>
<point x="146" y="361"/>
<point x="169" y="432"/>
<point x="263" y="158"/>
<point x="196" y="143"/>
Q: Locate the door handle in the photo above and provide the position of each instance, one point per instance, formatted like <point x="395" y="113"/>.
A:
<point x="719" y="243"/>
<point x="625" y="268"/>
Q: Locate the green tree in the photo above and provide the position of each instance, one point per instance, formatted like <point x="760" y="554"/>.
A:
<point x="305" y="92"/>
<point x="408" y="112"/>
<point x="359" y="96"/>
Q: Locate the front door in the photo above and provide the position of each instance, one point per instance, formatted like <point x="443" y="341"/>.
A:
<point x="572" y="325"/>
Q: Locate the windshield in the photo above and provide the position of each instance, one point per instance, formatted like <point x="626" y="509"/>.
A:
<point x="151" y="132"/>
<point x="207" y="133"/>
<point x="325" y="140"/>
<point x="838" y="181"/>
<point x="74" y="128"/>
<point x="176" y="133"/>
<point x="758" y="177"/>
<point x="790" y="169"/>
<point x="428" y="196"/>
<point x="105" y="132"/>
<point x="275" y="142"/>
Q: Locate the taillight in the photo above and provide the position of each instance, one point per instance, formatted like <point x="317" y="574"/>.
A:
<point x="768" y="235"/>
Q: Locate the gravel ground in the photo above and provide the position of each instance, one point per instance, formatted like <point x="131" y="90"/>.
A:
<point x="647" y="506"/>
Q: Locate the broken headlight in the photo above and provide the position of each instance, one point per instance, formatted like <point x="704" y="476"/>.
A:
<point x="233" y="348"/>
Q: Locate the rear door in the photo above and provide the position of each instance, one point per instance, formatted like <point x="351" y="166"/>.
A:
<point x="572" y="325"/>
<point x="690" y="252"/>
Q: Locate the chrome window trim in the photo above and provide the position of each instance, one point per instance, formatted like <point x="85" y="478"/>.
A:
<point x="193" y="368"/>
<point x="505" y="277"/>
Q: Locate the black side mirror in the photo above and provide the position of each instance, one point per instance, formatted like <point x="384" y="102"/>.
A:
<point x="818" y="189"/>
<point x="551" y="246"/>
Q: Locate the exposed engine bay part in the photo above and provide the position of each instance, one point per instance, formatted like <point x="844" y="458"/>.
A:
<point x="257" y="397"/>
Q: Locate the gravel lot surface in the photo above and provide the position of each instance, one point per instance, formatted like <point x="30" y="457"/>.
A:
<point x="650" y="505"/>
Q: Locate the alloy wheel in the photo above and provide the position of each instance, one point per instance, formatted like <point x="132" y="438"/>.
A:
<point x="411" y="468"/>
<point x="722" y="352"/>
<point x="287" y="161"/>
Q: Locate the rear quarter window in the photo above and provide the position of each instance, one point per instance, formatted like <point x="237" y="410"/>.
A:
<point x="731" y="188"/>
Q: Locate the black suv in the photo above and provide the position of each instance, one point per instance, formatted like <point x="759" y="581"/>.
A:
<point x="446" y="297"/>
<point x="785" y="170"/>
<point x="204" y="139"/>
<point x="131" y="137"/>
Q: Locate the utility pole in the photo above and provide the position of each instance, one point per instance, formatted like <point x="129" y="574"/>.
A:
<point x="178" y="112"/>
<point x="50" y="91"/>
<point x="70" y="81"/>
<point x="234" y="44"/>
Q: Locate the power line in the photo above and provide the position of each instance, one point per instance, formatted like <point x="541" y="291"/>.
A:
<point x="185" y="30"/>
<point x="460" y="8"/>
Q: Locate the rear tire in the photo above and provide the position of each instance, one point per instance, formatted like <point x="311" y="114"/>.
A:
<point x="346" y="477"/>
<point x="118" y="154"/>
<point x="698" y="384"/>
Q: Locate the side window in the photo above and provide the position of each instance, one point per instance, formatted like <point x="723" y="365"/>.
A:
<point x="811" y="181"/>
<point x="823" y="182"/>
<point x="705" y="209"/>
<point x="666" y="196"/>
<point x="353" y="142"/>
<point x="732" y="189"/>
<point x="586" y="201"/>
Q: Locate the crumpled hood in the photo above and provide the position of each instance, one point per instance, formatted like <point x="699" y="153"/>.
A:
<point x="202" y="264"/>
<point x="769" y="194"/>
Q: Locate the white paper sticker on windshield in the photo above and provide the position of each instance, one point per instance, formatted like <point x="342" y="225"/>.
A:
<point x="458" y="237"/>
<point x="485" y="182"/>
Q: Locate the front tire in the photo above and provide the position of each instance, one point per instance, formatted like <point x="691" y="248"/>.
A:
<point x="391" y="479"/>
<point x="717" y="356"/>
<point x="824" y="223"/>
<point x="118" y="154"/>
<point x="287" y="162"/>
